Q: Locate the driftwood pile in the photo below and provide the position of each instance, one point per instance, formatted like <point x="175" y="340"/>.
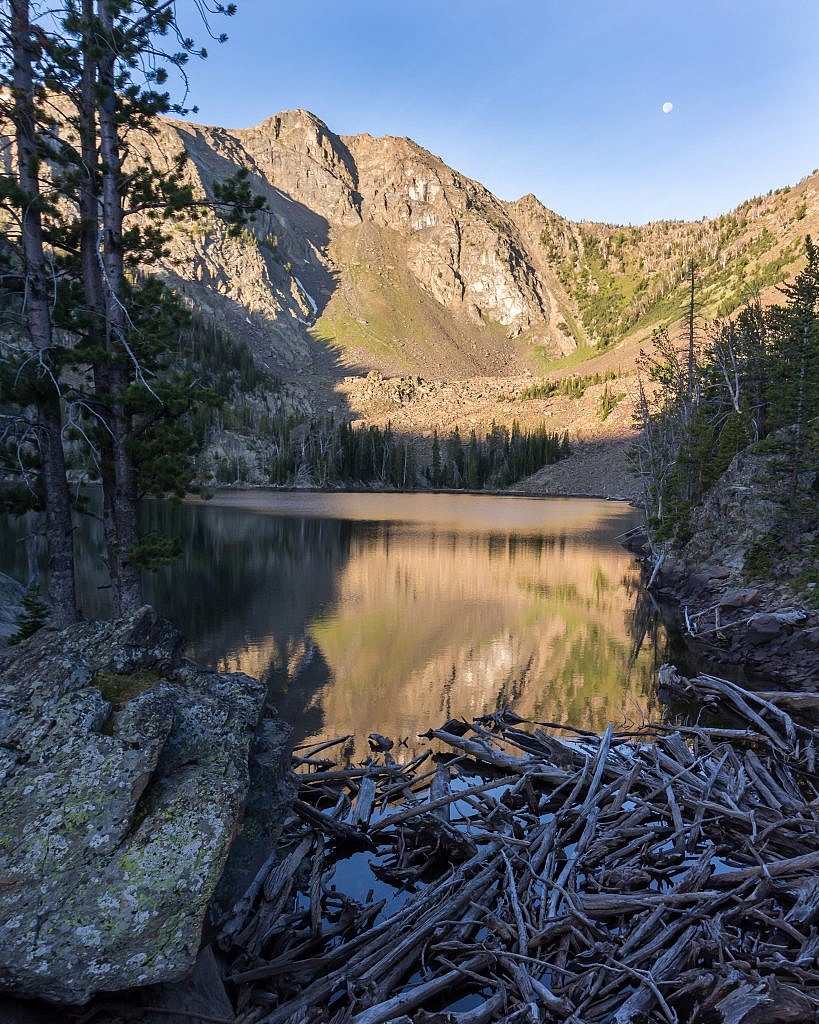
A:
<point x="532" y="872"/>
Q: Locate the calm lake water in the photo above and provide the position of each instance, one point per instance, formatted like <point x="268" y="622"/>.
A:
<point x="393" y="612"/>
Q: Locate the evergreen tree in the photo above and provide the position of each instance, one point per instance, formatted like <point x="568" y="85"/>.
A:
<point x="473" y="475"/>
<point x="436" y="461"/>
<point x="794" y="381"/>
<point x="411" y="480"/>
<point x="28" y="202"/>
<point x="126" y="98"/>
<point x="455" y="459"/>
<point x="126" y="397"/>
<point x="754" y="375"/>
<point x="33" y="616"/>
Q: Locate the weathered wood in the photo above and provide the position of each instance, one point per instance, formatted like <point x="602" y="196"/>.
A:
<point x="439" y="791"/>
<point x="411" y="812"/>
<point x="590" y="881"/>
<point x="360" y="814"/>
<point x="311" y="749"/>
<point x="795" y="703"/>
<point x="328" y="824"/>
<point x="410" y="998"/>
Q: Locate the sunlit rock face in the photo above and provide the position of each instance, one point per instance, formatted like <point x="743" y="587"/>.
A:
<point x="373" y="244"/>
<point x="299" y="155"/>
<point x="462" y="245"/>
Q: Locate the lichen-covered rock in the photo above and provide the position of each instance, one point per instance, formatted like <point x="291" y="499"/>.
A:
<point x="123" y="772"/>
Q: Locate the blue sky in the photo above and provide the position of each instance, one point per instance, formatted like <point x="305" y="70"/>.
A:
<point x="559" y="97"/>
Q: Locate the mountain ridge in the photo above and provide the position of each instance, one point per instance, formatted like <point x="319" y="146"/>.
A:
<point x="614" y="224"/>
<point x="376" y="258"/>
<point x="555" y="283"/>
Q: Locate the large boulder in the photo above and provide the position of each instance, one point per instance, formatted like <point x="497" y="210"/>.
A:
<point x="123" y="773"/>
<point x="748" y="503"/>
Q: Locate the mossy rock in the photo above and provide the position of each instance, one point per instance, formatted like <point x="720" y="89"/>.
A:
<point x="119" y="687"/>
<point x="124" y="771"/>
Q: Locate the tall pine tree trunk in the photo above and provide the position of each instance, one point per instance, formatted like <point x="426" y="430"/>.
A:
<point x="797" y="453"/>
<point x="93" y="290"/>
<point x="128" y="594"/>
<point x="59" y="530"/>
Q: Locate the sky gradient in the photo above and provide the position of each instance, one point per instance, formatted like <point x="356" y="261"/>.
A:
<point x="562" y="98"/>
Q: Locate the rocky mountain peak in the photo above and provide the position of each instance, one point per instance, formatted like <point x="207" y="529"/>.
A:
<point x="373" y="245"/>
<point x="303" y="133"/>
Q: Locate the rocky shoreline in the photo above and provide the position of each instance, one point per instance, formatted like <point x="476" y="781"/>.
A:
<point x="753" y="632"/>
<point x="151" y="832"/>
<point x="125" y="775"/>
<point x="745" y="627"/>
<point x="748" y="627"/>
<point x="741" y="580"/>
<point x="347" y="488"/>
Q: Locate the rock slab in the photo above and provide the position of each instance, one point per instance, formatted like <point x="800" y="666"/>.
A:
<point x="123" y="774"/>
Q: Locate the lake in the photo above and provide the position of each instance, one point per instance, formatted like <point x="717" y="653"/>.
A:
<point x="390" y="613"/>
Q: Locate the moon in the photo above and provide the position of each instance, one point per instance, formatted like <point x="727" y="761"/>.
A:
<point x="667" y="107"/>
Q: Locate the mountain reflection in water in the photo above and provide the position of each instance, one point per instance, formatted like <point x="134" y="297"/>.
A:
<point x="391" y="612"/>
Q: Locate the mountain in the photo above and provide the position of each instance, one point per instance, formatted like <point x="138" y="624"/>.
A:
<point x="370" y="245"/>
<point x="375" y="257"/>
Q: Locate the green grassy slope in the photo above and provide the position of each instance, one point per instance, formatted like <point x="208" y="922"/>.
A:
<point x="622" y="280"/>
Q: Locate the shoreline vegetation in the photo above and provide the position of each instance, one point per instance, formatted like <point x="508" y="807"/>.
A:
<point x="289" y="450"/>
<point x="728" y="458"/>
<point x="381" y="489"/>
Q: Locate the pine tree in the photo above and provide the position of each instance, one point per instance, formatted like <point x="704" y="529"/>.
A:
<point x="25" y="197"/>
<point x="794" y="383"/>
<point x="436" y="461"/>
<point x="125" y="98"/>
<point x="33" y="615"/>
<point x="754" y="375"/>
<point x="126" y="398"/>
<point x="473" y="474"/>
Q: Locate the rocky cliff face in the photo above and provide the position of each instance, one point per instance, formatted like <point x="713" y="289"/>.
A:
<point x="752" y="559"/>
<point x="373" y="245"/>
<point x="462" y="246"/>
<point x="374" y="255"/>
<point x="397" y="262"/>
